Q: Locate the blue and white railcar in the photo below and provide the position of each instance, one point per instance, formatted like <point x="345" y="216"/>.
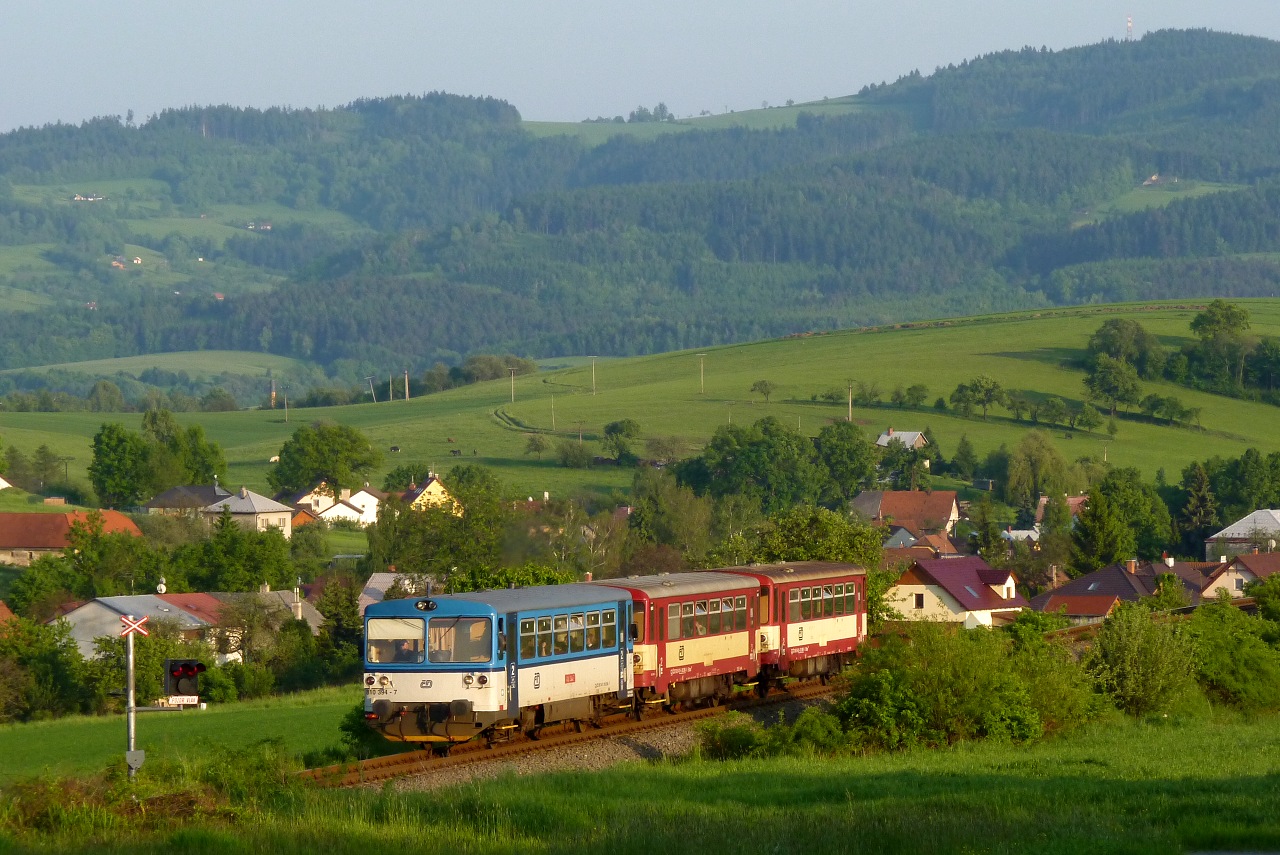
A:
<point x="449" y="668"/>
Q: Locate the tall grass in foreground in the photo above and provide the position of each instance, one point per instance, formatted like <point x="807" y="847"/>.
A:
<point x="1115" y="787"/>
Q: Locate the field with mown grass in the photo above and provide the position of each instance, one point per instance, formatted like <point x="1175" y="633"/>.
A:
<point x="1032" y="353"/>
<point x="1119" y="786"/>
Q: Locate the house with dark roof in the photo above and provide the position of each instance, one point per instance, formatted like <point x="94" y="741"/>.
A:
<point x="964" y="590"/>
<point x="25" y="537"/>
<point x="920" y="512"/>
<point x="186" y="499"/>
<point x="1131" y="581"/>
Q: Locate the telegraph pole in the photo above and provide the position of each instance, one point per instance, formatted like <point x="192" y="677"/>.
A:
<point x="702" y="387"/>
<point x="513" y="384"/>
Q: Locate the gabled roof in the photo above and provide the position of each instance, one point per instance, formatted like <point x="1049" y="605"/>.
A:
<point x="1260" y="564"/>
<point x="909" y="438"/>
<point x="190" y="496"/>
<point x="1115" y="579"/>
<point x="155" y="607"/>
<point x="247" y="502"/>
<point x="377" y="494"/>
<point x="1080" y="605"/>
<point x="1245" y="528"/>
<point x="965" y="579"/>
<point x="50" y="531"/>
<point x="1075" y="504"/>
<point x="375" y="590"/>
<point x="206" y="607"/>
<point x="912" y="509"/>
<point x="336" y="507"/>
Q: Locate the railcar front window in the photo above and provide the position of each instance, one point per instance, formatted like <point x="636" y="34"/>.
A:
<point x="459" y="639"/>
<point x="395" y="640"/>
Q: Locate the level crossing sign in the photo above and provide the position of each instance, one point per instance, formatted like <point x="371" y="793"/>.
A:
<point x="131" y="626"/>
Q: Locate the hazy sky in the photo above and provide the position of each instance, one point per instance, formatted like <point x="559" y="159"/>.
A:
<point x="67" y="60"/>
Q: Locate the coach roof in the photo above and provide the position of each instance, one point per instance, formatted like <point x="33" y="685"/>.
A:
<point x="516" y="599"/>
<point x="798" y="571"/>
<point x="683" y="584"/>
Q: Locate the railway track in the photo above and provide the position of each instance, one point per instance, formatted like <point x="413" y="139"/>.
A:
<point x="478" y="751"/>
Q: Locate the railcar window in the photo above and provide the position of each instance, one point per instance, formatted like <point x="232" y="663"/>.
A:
<point x="609" y="629"/>
<point x="700" y="617"/>
<point x="560" y="635"/>
<point x="395" y="640"/>
<point x="839" y="593"/>
<point x="727" y="616"/>
<point x="794" y="598"/>
<point x="528" y="639"/>
<point x="828" y="604"/>
<point x="544" y="636"/>
<point x="713" y="617"/>
<point x="593" y="630"/>
<point x="806" y="607"/>
<point x="687" y="626"/>
<point x="764" y="606"/>
<point x="576" y="629"/>
<point x="851" y="599"/>
<point x="673" y="622"/>
<point x="740" y="620"/>
<point x="459" y="639"/>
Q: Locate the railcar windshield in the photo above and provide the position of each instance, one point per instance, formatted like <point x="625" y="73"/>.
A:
<point x="395" y="640"/>
<point x="460" y="639"/>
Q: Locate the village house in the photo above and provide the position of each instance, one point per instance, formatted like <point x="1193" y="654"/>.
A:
<point x="1232" y="576"/>
<point x="921" y="513"/>
<point x="1259" y="530"/>
<point x="957" y="590"/>
<point x="1131" y="581"/>
<point x="24" y="537"/>
<point x="909" y="438"/>
<point x="253" y="512"/>
<point x="430" y="494"/>
<point x="1080" y="609"/>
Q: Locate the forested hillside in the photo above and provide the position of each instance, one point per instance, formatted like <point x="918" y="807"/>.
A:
<point x="398" y="232"/>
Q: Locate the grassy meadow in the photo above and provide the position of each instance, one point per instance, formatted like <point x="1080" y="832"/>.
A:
<point x="688" y="396"/>
<point x="1119" y="786"/>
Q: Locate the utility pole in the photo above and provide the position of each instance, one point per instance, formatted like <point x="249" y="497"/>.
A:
<point x="850" y="401"/>
<point x="406" y="384"/>
<point x="372" y="393"/>
<point x="702" y="387"/>
<point x="391" y="390"/>
<point x="593" y="375"/>
<point x="553" y="413"/>
<point x="513" y="384"/>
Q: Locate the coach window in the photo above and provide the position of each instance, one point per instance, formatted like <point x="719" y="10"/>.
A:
<point x="700" y="617"/>
<point x="609" y="629"/>
<point x="763" y="605"/>
<point x="544" y="636"/>
<point x="593" y="630"/>
<point x="839" y="592"/>
<point x="560" y="635"/>
<point x="528" y="639"/>
<point x="794" y="597"/>
<point x="395" y="640"/>
<point x="688" y="627"/>
<point x="806" y="607"/>
<point x="740" y="613"/>
<point x="673" y="622"/>
<point x="828" y="604"/>
<point x="576" y="630"/>
<point x="851" y="598"/>
<point x="713" y="616"/>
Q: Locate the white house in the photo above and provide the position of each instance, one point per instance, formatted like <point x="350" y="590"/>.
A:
<point x="1260" y="529"/>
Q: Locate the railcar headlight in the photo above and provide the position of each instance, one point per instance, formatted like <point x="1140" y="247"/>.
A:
<point x="635" y="658"/>
<point x="384" y="681"/>
<point x="483" y="679"/>
<point x="468" y="680"/>
<point x="369" y="681"/>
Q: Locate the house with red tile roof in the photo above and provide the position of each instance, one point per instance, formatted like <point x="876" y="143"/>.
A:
<point x="1232" y="576"/>
<point x="921" y="512"/>
<point x="1081" y="608"/>
<point x="964" y="590"/>
<point x="1075" y="504"/>
<point x="25" y="537"/>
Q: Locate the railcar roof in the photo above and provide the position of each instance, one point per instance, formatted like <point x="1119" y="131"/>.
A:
<point x="798" y="571"/>
<point x="517" y="599"/>
<point x="682" y="584"/>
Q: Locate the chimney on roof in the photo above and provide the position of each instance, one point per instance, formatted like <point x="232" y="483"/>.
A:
<point x="1255" y="550"/>
<point x="1131" y="565"/>
<point x="890" y="430"/>
<point x="297" y="604"/>
<point x="244" y="492"/>
<point x="1168" y="560"/>
<point x="1222" y="559"/>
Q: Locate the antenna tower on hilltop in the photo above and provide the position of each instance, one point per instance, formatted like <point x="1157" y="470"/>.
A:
<point x="1128" y="29"/>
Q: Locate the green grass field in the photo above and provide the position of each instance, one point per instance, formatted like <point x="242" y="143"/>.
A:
<point x="1154" y="196"/>
<point x="1118" y="786"/>
<point x="1026" y="352"/>
<point x="82" y="745"/>
<point x="198" y="364"/>
<point x="770" y="118"/>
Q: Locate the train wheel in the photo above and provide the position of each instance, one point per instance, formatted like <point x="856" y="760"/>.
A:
<point x="762" y="686"/>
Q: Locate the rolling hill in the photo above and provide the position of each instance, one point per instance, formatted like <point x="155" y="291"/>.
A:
<point x="1035" y="353"/>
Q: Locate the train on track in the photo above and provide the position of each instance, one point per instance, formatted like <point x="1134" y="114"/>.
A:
<point x="446" y="669"/>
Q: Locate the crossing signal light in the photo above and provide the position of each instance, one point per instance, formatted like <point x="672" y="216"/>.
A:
<point x="182" y="676"/>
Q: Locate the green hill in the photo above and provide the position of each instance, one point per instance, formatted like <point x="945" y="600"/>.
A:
<point x="1033" y="353"/>
<point x="392" y="233"/>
